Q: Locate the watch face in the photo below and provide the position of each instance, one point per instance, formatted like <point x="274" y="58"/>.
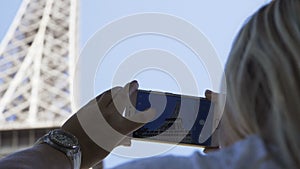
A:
<point x="63" y="138"/>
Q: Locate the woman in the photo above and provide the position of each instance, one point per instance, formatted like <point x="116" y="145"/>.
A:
<point x="261" y="123"/>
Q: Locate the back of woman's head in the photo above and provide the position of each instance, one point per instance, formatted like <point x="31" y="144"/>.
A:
<point x="263" y="81"/>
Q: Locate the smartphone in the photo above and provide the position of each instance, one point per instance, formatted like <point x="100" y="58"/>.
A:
<point x="180" y="118"/>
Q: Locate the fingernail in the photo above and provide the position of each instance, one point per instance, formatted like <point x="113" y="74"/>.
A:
<point x="133" y="87"/>
<point x="134" y="84"/>
<point x="208" y="91"/>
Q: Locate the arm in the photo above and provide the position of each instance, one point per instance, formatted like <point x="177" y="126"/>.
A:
<point x="91" y="152"/>
<point x="108" y="105"/>
<point x="104" y="116"/>
<point x="37" y="156"/>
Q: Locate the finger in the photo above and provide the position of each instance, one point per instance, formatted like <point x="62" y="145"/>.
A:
<point x="208" y="94"/>
<point x="143" y="117"/>
<point x="118" y="102"/>
<point x="212" y="96"/>
<point x="131" y="87"/>
<point x="106" y="97"/>
<point x="126" y="125"/>
<point x="116" y="106"/>
<point x="131" y="90"/>
<point x="121" y="98"/>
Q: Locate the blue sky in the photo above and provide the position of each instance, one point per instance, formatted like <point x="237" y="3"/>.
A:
<point x="220" y="16"/>
<point x="218" y="20"/>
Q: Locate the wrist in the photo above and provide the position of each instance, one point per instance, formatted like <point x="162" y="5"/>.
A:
<point x="64" y="142"/>
<point x="91" y="152"/>
<point x="53" y="156"/>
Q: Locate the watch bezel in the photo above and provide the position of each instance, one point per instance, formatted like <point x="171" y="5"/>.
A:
<point x="71" y="143"/>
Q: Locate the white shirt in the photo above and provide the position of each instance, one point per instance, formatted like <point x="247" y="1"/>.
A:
<point x="249" y="153"/>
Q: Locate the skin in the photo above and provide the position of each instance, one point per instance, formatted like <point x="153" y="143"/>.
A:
<point x="34" y="157"/>
<point x="92" y="154"/>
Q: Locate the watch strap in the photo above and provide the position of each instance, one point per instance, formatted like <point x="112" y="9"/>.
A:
<point x="73" y="154"/>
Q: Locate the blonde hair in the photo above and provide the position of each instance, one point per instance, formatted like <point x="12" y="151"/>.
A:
<point x="263" y="81"/>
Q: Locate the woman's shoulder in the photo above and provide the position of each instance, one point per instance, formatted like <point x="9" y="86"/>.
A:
<point x="248" y="153"/>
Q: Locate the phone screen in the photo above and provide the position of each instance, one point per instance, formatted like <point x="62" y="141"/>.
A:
<point x="179" y="119"/>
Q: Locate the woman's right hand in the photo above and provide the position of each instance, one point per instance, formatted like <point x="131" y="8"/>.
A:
<point x="100" y="125"/>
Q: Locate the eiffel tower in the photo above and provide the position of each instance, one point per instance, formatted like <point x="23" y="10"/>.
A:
<point x="37" y="59"/>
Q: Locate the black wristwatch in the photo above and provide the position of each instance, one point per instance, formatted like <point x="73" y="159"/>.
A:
<point x="64" y="142"/>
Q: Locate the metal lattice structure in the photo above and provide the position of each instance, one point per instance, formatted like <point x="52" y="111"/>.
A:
<point x="37" y="58"/>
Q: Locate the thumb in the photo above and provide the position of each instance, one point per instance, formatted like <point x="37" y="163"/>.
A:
<point x="139" y="119"/>
<point x="143" y="117"/>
